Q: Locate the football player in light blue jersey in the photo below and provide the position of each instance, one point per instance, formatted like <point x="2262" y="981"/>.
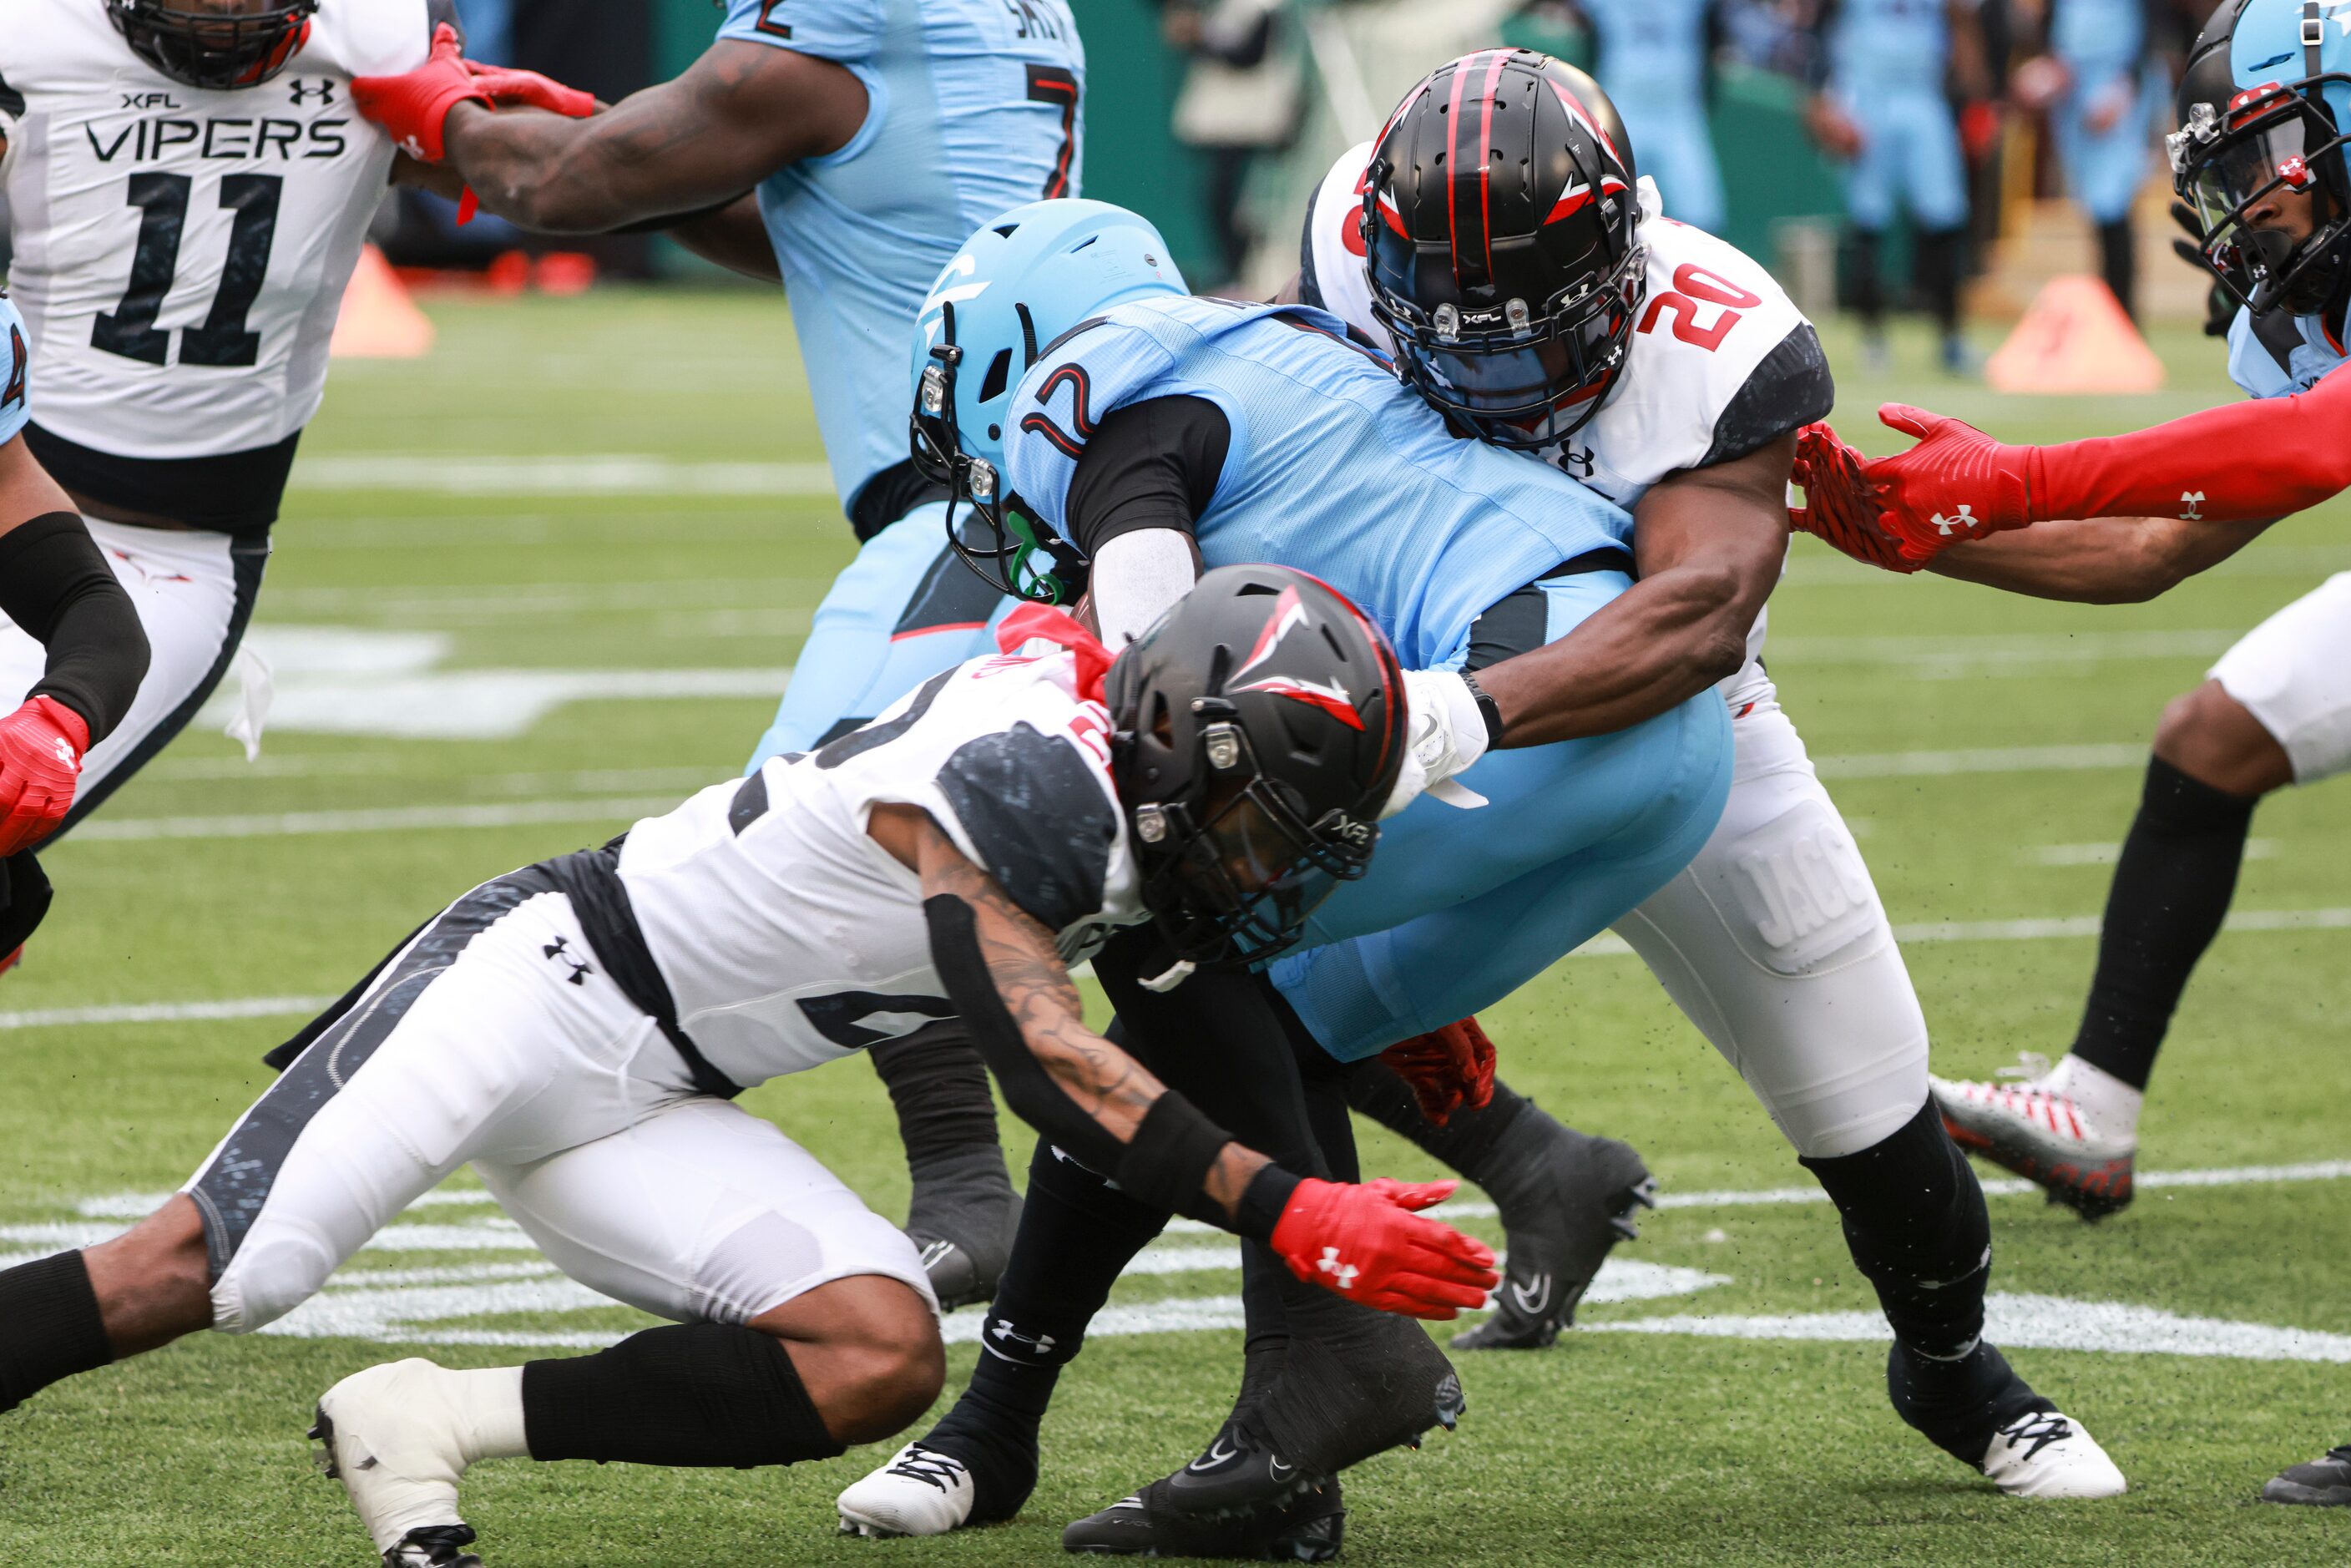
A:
<point x="846" y="148"/>
<point x="1883" y="106"/>
<point x="2111" y="82"/>
<point x="1652" y="62"/>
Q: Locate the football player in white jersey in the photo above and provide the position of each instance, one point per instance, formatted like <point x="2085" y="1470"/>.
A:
<point x="1773" y="941"/>
<point x="83" y="645"/>
<point x="575" y="1031"/>
<point x="189" y="186"/>
<point x="1554" y="313"/>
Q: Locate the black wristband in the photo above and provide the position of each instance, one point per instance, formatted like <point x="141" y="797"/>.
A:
<point x="1167" y="1162"/>
<point x="1487" y="709"/>
<point x="1261" y="1204"/>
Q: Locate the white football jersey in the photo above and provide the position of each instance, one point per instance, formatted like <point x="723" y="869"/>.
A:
<point x="181" y="254"/>
<point x="1709" y="327"/>
<point x="789" y="937"/>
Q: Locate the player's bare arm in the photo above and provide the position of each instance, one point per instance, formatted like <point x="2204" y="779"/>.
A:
<point x="1708" y="542"/>
<point x="26" y="491"/>
<point x="2096" y="561"/>
<point x="738" y="114"/>
<point x="1110" y="1086"/>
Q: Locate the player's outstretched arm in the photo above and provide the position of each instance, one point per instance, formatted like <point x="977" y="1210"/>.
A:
<point x="1710" y="543"/>
<point x="56" y="585"/>
<point x="694" y="144"/>
<point x="2096" y="561"/>
<point x="1007" y="979"/>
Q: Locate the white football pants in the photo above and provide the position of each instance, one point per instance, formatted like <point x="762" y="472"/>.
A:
<point x="494" y="1037"/>
<point x="1773" y="942"/>
<point x="2289" y="672"/>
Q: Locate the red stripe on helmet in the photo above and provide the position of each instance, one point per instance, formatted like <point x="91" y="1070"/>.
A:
<point x="1336" y="701"/>
<point x="1453" y="173"/>
<point x="1485" y="146"/>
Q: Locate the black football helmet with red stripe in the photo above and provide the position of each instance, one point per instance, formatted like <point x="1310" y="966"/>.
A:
<point x="1259" y="729"/>
<point x="214" y="44"/>
<point x="1501" y="227"/>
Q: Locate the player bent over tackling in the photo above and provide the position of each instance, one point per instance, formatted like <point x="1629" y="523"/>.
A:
<point x="574" y="1030"/>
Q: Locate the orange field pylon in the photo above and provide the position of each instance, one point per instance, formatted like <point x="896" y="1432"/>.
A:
<point x="379" y="320"/>
<point x="2075" y="339"/>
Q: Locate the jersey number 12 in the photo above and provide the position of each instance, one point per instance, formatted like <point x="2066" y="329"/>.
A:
<point x="130" y="329"/>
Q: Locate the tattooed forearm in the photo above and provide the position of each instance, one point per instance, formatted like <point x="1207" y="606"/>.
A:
<point x="1109" y="1084"/>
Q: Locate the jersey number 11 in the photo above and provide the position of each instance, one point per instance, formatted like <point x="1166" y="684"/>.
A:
<point x="163" y="203"/>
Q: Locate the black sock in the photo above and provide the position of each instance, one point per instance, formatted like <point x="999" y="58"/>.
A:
<point x="2118" y="263"/>
<point x="1937" y="271"/>
<point x="50" y="1327"/>
<point x="687" y="1394"/>
<point x="1478" y="1143"/>
<point x="946" y="1118"/>
<point x="1916" y="1224"/>
<point x="1868" y="286"/>
<point x="1958" y="1406"/>
<point x="2172" y="890"/>
<point x="1077" y="1234"/>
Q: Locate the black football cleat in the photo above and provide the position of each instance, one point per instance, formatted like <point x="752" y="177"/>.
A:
<point x="440" y="1546"/>
<point x="1573" y="1199"/>
<point x="1310" y="1528"/>
<point x="2322" y="1483"/>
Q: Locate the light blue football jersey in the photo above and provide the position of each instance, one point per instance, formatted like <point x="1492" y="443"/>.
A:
<point x="975" y="107"/>
<point x="1881" y="46"/>
<point x="2098" y="39"/>
<point x="15" y="371"/>
<point x="2310" y="352"/>
<point x="1652" y="52"/>
<point x="1335" y="466"/>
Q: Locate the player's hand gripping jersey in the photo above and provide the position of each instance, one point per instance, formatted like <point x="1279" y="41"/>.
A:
<point x="1333" y="465"/>
<point x="973" y="108"/>
<point x="1721" y="364"/>
<point x="785" y="937"/>
<point x="181" y="253"/>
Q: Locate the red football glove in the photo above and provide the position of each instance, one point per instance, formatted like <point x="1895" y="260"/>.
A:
<point x="412" y="106"/>
<point x="511" y="89"/>
<point x="40" y="760"/>
<point x="1366" y="1244"/>
<point x="1448" y="1068"/>
<point x="1958" y="484"/>
<point x="1840" y="503"/>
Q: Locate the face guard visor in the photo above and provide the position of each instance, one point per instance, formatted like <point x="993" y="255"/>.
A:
<point x="2275" y="148"/>
<point x="1012" y="553"/>
<point x="212" y="46"/>
<point x="1233" y="883"/>
<point x="1521" y="380"/>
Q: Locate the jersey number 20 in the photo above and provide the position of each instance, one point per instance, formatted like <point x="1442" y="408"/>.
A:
<point x="1693" y="283"/>
<point x="163" y="203"/>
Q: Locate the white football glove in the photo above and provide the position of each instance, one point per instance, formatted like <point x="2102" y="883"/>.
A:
<point x="1444" y="732"/>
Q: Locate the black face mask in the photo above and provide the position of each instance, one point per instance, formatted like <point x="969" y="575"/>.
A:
<point x="2286" y="148"/>
<point x="211" y="49"/>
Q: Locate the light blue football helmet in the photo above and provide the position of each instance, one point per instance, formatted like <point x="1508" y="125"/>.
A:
<point x="1019" y="284"/>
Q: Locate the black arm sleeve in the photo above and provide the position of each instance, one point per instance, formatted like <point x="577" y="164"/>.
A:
<point x="1791" y="388"/>
<point x="1151" y="465"/>
<point x="55" y="584"/>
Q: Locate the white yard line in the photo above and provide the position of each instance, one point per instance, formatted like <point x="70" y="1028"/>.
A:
<point x="386" y="820"/>
<point x="2015" y="652"/>
<point x="1984" y="759"/>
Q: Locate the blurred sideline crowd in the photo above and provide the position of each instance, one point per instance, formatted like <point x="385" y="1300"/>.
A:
<point x="1928" y="127"/>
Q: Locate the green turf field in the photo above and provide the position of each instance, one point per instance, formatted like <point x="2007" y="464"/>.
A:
<point x="430" y="583"/>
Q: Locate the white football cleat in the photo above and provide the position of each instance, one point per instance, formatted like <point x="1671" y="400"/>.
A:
<point x="2045" y="1135"/>
<point x="921" y="1491"/>
<point x="2048" y="1454"/>
<point x="390" y="1437"/>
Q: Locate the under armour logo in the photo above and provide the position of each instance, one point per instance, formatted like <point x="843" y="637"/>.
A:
<point x="1534" y="1295"/>
<point x="1577" y="462"/>
<point x="66" y="753"/>
<point x="1966" y="518"/>
<point x="2194" y="501"/>
<point x="303" y="92"/>
<point x="561" y="948"/>
<point x="1041" y="1345"/>
<point x="1344" y="1272"/>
